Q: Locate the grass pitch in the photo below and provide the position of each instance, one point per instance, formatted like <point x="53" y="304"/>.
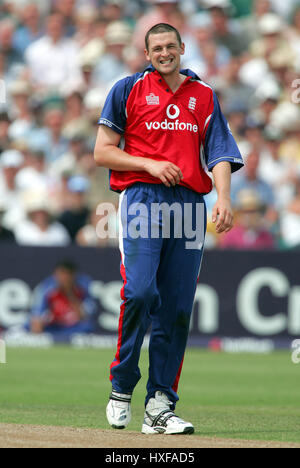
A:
<point x="237" y="396"/>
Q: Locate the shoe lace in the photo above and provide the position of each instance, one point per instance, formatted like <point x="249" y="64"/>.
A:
<point x="162" y="418"/>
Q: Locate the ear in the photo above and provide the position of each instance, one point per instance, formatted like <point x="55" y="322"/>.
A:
<point x="147" y="55"/>
<point x="182" y="51"/>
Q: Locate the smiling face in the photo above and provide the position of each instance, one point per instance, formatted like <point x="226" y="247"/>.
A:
<point x="164" y="52"/>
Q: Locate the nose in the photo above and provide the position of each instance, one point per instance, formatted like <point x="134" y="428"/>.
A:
<point x="165" y="52"/>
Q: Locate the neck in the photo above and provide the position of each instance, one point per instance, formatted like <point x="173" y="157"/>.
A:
<point x="10" y="185"/>
<point x="55" y="40"/>
<point x="56" y="136"/>
<point x="42" y="226"/>
<point x="174" y="80"/>
<point x="33" y="27"/>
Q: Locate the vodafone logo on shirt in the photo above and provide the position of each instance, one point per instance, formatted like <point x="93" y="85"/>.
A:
<point x="173" y="112"/>
<point x="176" y="111"/>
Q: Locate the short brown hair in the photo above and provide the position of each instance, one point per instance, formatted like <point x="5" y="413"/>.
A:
<point x="162" y="28"/>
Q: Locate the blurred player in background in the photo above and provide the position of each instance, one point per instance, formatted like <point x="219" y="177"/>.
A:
<point x="165" y="116"/>
<point x="62" y="303"/>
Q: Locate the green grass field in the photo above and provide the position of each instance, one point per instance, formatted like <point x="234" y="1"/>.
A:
<point x="232" y="396"/>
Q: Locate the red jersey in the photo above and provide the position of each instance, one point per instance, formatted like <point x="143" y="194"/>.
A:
<point x="61" y="309"/>
<point x="186" y="128"/>
<point x="56" y="308"/>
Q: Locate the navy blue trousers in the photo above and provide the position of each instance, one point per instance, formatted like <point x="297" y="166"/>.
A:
<point x="160" y="269"/>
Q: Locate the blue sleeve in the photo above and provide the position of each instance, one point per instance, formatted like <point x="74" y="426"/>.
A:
<point x="40" y="306"/>
<point x="219" y="143"/>
<point x="114" y="111"/>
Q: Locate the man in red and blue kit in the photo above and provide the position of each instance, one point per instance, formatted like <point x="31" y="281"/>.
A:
<point x="63" y="304"/>
<point x="159" y="131"/>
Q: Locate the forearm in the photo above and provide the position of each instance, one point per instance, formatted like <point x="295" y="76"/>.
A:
<point x="222" y="178"/>
<point x="114" y="158"/>
<point x="108" y="154"/>
<point x="36" y="326"/>
<point x="222" y="212"/>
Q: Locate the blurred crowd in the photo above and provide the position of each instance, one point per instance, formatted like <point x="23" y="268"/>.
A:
<point x="59" y="58"/>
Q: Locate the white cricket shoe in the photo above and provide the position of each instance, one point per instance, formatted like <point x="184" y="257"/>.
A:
<point x="160" y="419"/>
<point x="118" y="410"/>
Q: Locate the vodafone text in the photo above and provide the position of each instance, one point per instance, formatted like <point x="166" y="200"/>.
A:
<point x="166" y="125"/>
<point x="173" y="112"/>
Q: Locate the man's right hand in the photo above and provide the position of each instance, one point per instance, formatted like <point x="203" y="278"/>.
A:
<point x="166" y="171"/>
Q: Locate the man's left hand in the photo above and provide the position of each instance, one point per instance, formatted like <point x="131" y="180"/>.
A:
<point x="222" y="216"/>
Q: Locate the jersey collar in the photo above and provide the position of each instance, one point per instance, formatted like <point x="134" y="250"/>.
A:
<point x="185" y="72"/>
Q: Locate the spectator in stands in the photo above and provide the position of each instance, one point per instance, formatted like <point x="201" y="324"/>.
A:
<point x="68" y="162"/>
<point x="272" y="38"/>
<point x="113" y="10"/>
<point x="135" y="60"/>
<point x="49" y="137"/>
<point x="235" y="93"/>
<point x="38" y="229"/>
<point x="35" y="173"/>
<point x="266" y="105"/>
<point x="3" y="11"/>
<point x="88" y="235"/>
<point x="111" y="66"/>
<point x="11" y="162"/>
<point x="290" y="221"/>
<point x="66" y="8"/>
<point x="211" y="66"/>
<point x="280" y="173"/>
<point x="250" y="231"/>
<point x="63" y="304"/>
<point x="201" y="26"/>
<point x="3" y="67"/>
<point x="236" y="115"/>
<point x="160" y="11"/>
<point x="98" y="179"/>
<point x="250" y="180"/>
<point x="283" y="67"/>
<point x="285" y="8"/>
<point x="29" y="29"/>
<point x="12" y="55"/>
<point x="293" y="35"/>
<point x="85" y="18"/>
<point x="6" y="236"/>
<point x="77" y="214"/>
<point x="75" y="115"/>
<point x="23" y="118"/>
<point x="60" y="192"/>
<point x="287" y="119"/>
<point x="224" y="32"/>
<point x="53" y="60"/>
<point x="4" y="129"/>
<point x="250" y="24"/>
